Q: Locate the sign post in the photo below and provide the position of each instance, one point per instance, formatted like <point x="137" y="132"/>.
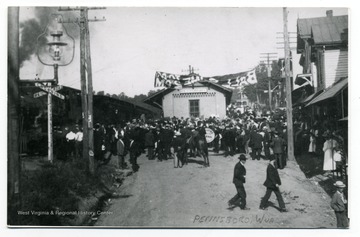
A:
<point x="50" y="91"/>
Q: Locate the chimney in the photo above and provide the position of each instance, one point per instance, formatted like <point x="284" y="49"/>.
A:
<point x="329" y="13"/>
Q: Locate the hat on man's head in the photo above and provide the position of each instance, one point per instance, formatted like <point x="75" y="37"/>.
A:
<point x="242" y="157"/>
<point x="339" y="184"/>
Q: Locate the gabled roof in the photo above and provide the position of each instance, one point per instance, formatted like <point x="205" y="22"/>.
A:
<point x="323" y="30"/>
<point x="156" y="96"/>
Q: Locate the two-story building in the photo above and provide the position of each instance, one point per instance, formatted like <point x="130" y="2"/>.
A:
<point x="323" y="45"/>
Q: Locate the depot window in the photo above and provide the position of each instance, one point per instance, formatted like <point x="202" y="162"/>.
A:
<point x="194" y="108"/>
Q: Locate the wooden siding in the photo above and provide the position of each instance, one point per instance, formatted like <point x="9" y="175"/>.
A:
<point x="336" y="66"/>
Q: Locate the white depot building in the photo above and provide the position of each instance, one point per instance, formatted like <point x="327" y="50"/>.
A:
<point x="199" y="100"/>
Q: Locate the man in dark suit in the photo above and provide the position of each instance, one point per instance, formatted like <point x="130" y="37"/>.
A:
<point x="256" y="145"/>
<point x="150" y="143"/>
<point x="272" y="184"/>
<point x="278" y="144"/>
<point x="239" y="179"/>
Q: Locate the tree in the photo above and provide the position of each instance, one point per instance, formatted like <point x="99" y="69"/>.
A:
<point x="258" y="90"/>
<point x="122" y="95"/>
<point x="151" y="92"/>
<point x="101" y="93"/>
<point x="140" y="98"/>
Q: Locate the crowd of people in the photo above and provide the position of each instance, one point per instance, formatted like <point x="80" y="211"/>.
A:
<point x="180" y="138"/>
<point x="325" y="140"/>
<point x="247" y="134"/>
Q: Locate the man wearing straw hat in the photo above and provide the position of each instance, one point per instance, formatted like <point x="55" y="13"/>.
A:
<point x="338" y="204"/>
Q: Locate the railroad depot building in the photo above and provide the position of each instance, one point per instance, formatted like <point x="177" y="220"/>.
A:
<point x="199" y="100"/>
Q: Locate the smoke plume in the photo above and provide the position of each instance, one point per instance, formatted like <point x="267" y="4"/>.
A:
<point x="32" y="28"/>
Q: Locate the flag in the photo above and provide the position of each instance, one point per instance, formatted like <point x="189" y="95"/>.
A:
<point x="213" y="80"/>
<point x="190" y="79"/>
<point x="163" y="79"/>
<point x="159" y="79"/>
<point x="251" y="77"/>
<point x="235" y="80"/>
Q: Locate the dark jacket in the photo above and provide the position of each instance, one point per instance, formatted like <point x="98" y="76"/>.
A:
<point x="272" y="177"/>
<point x="239" y="174"/>
<point x="149" y="139"/>
<point x="337" y="203"/>
<point x="120" y="147"/>
<point x="256" y="141"/>
<point x="278" y="145"/>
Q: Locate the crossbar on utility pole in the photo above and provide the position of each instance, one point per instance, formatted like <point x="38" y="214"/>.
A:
<point x="290" y="137"/>
<point x="269" y="57"/>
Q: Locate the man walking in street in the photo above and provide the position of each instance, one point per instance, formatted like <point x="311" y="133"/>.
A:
<point x="272" y="184"/>
<point x="239" y="179"/>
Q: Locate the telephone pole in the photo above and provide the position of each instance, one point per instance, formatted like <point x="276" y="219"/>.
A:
<point x="290" y="137"/>
<point x="269" y="56"/>
<point x="14" y="167"/>
<point x="86" y="82"/>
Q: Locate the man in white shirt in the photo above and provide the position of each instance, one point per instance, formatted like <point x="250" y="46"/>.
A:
<point x="70" y="143"/>
<point x="78" y="142"/>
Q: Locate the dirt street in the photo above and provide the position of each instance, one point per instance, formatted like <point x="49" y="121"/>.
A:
<point x="162" y="196"/>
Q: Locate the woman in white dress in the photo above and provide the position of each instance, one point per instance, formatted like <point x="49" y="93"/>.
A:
<point x="329" y="148"/>
<point x="312" y="145"/>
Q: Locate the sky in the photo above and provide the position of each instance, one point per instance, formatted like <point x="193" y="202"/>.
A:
<point x="135" y="42"/>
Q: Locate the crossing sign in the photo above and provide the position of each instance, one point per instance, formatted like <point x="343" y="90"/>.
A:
<point x="48" y="89"/>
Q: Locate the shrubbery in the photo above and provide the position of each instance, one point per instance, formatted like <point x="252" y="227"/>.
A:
<point x="59" y="186"/>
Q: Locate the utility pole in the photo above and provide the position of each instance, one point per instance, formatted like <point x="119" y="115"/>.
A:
<point x="191" y="70"/>
<point x="86" y="82"/>
<point x="84" y="100"/>
<point x="14" y="167"/>
<point x="269" y="56"/>
<point x="90" y="96"/>
<point x="290" y="138"/>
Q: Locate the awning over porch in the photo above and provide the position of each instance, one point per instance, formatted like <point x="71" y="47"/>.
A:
<point x="330" y="92"/>
<point x="310" y="97"/>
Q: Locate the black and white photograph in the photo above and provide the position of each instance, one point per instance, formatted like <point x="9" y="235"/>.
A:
<point x="179" y="117"/>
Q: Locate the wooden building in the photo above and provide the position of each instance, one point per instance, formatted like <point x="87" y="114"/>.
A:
<point x="68" y="112"/>
<point x="323" y="86"/>
<point x="323" y="45"/>
<point x="199" y="100"/>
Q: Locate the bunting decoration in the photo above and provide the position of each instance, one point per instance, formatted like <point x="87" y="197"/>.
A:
<point x="163" y="79"/>
<point x="236" y="80"/>
<point x="169" y="80"/>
